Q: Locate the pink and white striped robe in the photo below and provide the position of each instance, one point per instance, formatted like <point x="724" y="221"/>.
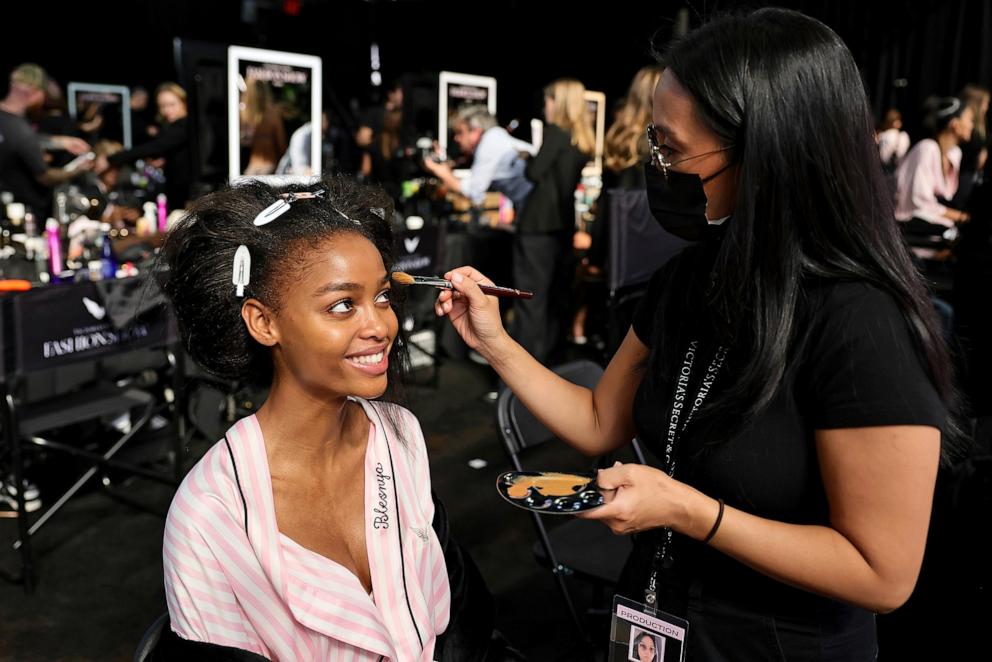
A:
<point x="261" y="591"/>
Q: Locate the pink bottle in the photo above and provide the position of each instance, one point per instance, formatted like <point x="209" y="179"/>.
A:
<point x="53" y="237"/>
<point x="163" y="218"/>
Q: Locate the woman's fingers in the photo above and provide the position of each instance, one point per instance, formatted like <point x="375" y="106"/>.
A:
<point x="613" y="478"/>
<point x="469" y="272"/>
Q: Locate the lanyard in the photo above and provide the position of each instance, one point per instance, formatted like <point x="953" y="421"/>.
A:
<point x="676" y="426"/>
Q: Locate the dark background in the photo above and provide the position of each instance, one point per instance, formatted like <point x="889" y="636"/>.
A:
<point x="100" y="561"/>
<point x="907" y="50"/>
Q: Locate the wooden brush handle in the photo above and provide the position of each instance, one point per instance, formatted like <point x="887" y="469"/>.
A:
<point x="510" y="292"/>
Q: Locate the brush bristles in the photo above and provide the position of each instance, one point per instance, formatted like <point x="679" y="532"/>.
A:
<point x="402" y="277"/>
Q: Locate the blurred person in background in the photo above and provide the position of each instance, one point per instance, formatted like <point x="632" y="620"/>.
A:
<point x="172" y="144"/>
<point x="497" y="159"/>
<point x="893" y="141"/>
<point x="927" y="179"/>
<point x="263" y="133"/>
<point x="143" y="126"/>
<point x="107" y="190"/>
<point x="542" y="245"/>
<point x="625" y="151"/>
<point x="23" y="170"/>
<point x="974" y="152"/>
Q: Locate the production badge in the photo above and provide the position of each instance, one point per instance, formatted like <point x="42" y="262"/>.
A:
<point x="639" y="633"/>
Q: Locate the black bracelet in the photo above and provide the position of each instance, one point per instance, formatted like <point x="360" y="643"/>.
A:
<point x="716" y="524"/>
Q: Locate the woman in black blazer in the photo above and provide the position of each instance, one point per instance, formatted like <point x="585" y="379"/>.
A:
<point x="542" y="245"/>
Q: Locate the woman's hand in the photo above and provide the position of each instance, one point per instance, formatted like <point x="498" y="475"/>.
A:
<point x="639" y="498"/>
<point x="474" y="315"/>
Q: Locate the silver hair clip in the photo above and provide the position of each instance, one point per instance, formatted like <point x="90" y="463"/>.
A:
<point x="242" y="269"/>
<point x="346" y="216"/>
<point x="952" y="107"/>
<point x="379" y="211"/>
<point x="282" y="205"/>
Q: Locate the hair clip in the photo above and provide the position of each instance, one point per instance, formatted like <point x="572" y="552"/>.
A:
<point x="346" y="216"/>
<point x="242" y="269"/>
<point x="379" y="211"/>
<point x="953" y="103"/>
<point x="282" y="205"/>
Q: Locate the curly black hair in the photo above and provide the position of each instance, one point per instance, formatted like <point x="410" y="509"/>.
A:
<point x="199" y="253"/>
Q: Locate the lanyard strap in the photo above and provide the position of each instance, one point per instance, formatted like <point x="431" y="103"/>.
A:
<point x="674" y="433"/>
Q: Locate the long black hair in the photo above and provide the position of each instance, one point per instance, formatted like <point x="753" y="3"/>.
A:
<point x="785" y="92"/>
<point x="198" y="258"/>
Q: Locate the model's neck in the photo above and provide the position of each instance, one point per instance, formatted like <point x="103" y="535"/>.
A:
<point x="947" y="140"/>
<point x="301" y="428"/>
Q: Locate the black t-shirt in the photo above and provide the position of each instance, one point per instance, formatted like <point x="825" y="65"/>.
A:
<point x="855" y="366"/>
<point x="21" y="162"/>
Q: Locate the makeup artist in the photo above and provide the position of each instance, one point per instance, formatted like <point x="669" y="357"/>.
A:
<point x="786" y="368"/>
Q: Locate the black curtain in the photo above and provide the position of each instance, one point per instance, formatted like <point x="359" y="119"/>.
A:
<point x="910" y="50"/>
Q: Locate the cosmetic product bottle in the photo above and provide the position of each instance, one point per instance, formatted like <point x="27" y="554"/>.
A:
<point x="53" y="237"/>
<point x="16" y="212"/>
<point x="163" y="215"/>
<point x="148" y="222"/>
<point x="30" y="226"/>
<point x="109" y="268"/>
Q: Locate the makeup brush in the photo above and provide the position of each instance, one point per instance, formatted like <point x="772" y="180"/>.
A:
<point x="404" y="278"/>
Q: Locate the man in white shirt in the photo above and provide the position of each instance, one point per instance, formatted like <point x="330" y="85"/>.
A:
<point x="497" y="164"/>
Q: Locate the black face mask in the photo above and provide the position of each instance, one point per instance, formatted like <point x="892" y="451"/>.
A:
<point x="678" y="202"/>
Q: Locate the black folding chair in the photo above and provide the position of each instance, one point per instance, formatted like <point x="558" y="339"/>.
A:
<point x="148" y="643"/>
<point x="48" y="329"/>
<point x="576" y="548"/>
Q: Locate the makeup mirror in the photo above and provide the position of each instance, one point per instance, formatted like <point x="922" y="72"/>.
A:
<point x="274" y="109"/>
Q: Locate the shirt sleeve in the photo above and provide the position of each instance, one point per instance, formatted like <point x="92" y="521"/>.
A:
<point x="864" y="368"/>
<point x="171" y="138"/>
<point x="483" y="170"/>
<point x="202" y="602"/>
<point x="923" y="188"/>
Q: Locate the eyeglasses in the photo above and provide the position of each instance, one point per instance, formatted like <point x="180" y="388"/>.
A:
<point x="660" y="160"/>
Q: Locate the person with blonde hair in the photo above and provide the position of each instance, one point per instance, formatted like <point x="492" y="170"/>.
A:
<point x="263" y="133"/>
<point x="626" y="147"/>
<point x="625" y="151"/>
<point x="542" y="243"/>
<point x="172" y="144"/>
<point x="975" y="152"/>
<point x="565" y="107"/>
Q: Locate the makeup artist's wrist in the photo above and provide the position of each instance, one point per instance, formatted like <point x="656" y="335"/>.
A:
<point x="499" y="350"/>
<point x="698" y="515"/>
